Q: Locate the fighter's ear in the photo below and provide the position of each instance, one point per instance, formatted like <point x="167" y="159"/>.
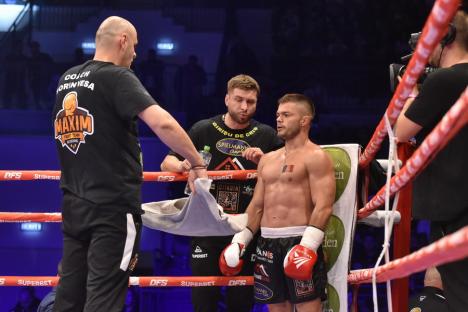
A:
<point x="305" y="120"/>
<point x="302" y="121"/>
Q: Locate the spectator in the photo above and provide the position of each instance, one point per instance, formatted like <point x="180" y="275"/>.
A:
<point x="15" y="77"/>
<point x="40" y="67"/>
<point x="151" y="72"/>
<point x="189" y="82"/>
<point x="240" y="59"/>
<point x="47" y="303"/>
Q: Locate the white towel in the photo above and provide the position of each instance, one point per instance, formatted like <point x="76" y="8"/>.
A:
<point x="197" y="215"/>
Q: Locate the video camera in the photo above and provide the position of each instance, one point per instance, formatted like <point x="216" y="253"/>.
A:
<point x="396" y="69"/>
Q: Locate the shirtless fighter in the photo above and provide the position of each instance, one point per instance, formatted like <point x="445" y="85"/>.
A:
<point x="292" y="203"/>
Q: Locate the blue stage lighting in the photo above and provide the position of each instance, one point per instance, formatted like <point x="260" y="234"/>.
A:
<point x="31" y="227"/>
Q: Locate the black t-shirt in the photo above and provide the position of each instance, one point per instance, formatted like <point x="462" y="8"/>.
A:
<point x="439" y="191"/>
<point x="430" y="299"/>
<point x="95" y="121"/>
<point x="226" y="146"/>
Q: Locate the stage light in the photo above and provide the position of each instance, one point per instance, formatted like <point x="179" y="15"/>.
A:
<point x="31" y="227"/>
<point x="88" y="47"/>
<point x="165" y="47"/>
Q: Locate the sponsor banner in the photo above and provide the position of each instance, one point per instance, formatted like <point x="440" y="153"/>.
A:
<point x="25" y="175"/>
<point x="35" y="281"/>
<point x="12" y="175"/>
<point x="146" y="281"/>
<point x="340" y="228"/>
<point x="195" y="281"/>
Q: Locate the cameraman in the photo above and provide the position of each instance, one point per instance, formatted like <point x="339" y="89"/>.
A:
<point x="439" y="192"/>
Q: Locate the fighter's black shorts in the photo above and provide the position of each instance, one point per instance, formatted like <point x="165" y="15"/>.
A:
<point x="271" y="284"/>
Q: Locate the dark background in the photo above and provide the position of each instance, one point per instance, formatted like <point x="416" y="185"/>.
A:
<point x="335" y="51"/>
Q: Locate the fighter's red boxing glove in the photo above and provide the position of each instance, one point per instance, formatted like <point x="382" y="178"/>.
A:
<point x="300" y="260"/>
<point x="230" y="262"/>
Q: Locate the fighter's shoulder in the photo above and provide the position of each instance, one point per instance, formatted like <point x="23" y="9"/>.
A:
<point x="316" y="157"/>
<point x="274" y="154"/>
<point x="271" y="156"/>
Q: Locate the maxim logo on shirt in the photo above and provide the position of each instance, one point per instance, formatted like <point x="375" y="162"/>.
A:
<point x="73" y="123"/>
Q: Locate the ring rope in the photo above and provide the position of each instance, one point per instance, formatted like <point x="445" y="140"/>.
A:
<point x="142" y="281"/>
<point x="449" y="248"/>
<point x="433" y="31"/>
<point x="451" y="123"/>
<point x="19" y="217"/>
<point x="455" y="119"/>
<point x="27" y="175"/>
<point x="393" y="165"/>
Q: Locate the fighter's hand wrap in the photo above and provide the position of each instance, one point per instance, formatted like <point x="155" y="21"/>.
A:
<point x="230" y="262"/>
<point x="300" y="260"/>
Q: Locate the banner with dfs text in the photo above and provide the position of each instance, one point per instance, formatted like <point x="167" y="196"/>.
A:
<point x="340" y="229"/>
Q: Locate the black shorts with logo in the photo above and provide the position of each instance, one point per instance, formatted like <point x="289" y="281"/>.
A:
<point x="273" y="286"/>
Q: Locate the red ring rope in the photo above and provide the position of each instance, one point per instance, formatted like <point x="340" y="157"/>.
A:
<point x="449" y="248"/>
<point x="9" y="217"/>
<point x="26" y="175"/>
<point x="433" y="31"/>
<point x="455" y="119"/>
<point x="144" y="281"/>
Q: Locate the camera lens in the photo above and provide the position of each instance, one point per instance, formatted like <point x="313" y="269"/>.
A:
<point x="402" y="70"/>
<point x="413" y="41"/>
<point x="395" y="71"/>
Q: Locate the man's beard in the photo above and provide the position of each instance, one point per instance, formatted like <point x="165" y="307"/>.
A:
<point x="239" y="119"/>
<point x="289" y="134"/>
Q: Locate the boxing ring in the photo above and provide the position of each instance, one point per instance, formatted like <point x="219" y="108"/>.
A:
<point x="450" y="248"/>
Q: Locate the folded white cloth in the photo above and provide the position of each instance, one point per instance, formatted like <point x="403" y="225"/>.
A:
<point x="197" y="215"/>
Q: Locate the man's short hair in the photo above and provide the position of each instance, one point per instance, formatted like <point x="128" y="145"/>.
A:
<point x="460" y="21"/>
<point x="243" y="82"/>
<point x="299" y="99"/>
